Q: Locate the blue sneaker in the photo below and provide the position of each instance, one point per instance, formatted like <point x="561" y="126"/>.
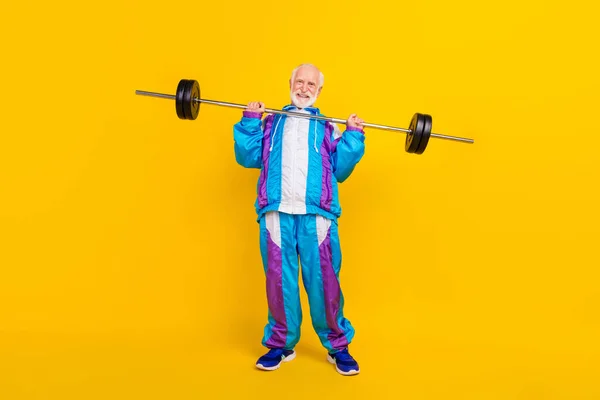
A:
<point x="272" y="360"/>
<point x="344" y="363"/>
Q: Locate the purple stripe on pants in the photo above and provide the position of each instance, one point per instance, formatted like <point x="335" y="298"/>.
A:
<point x="331" y="287"/>
<point x="326" y="187"/>
<point x="262" y="184"/>
<point x="275" y="294"/>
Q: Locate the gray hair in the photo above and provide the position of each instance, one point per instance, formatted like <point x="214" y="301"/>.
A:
<point x="321" y="76"/>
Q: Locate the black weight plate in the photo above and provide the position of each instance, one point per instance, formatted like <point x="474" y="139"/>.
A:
<point x="414" y="137"/>
<point x="426" y="134"/>
<point x="179" y="98"/>
<point x="195" y="105"/>
<point x="183" y="105"/>
<point x="187" y="99"/>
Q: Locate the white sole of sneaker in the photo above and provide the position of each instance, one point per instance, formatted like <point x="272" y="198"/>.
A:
<point x="351" y="372"/>
<point x="285" y="359"/>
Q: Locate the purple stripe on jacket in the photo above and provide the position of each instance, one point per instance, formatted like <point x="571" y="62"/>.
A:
<point x="262" y="184"/>
<point x="326" y="187"/>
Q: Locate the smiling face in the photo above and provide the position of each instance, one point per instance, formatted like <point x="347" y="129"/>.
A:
<point x="305" y="86"/>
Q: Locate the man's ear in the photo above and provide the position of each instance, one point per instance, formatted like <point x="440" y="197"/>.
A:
<point x="319" y="92"/>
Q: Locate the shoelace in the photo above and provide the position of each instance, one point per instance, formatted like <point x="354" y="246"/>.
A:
<point x="343" y="355"/>
<point x="274" y="353"/>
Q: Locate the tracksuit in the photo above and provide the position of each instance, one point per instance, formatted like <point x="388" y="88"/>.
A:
<point x="301" y="162"/>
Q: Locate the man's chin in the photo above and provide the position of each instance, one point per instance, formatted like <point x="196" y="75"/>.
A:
<point x="302" y="104"/>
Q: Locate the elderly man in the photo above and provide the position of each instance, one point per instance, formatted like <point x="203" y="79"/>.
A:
<point x="301" y="162"/>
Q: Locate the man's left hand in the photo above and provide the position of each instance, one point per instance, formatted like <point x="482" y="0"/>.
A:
<point x="355" y="122"/>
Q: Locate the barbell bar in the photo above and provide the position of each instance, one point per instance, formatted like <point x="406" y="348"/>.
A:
<point x="187" y="106"/>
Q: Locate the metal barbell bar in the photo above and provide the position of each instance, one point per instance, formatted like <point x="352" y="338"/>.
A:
<point x="187" y="105"/>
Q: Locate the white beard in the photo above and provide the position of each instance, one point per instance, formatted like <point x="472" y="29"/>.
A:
<point x="302" y="102"/>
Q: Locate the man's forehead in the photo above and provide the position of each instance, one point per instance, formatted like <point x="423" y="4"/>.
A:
<point x="307" y="73"/>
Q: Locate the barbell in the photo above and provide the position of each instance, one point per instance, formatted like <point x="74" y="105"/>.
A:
<point x="187" y="106"/>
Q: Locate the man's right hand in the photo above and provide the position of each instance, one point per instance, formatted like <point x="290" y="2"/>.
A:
<point x="256" y="106"/>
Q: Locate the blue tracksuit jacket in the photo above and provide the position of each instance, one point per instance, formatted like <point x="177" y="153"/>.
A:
<point x="301" y="161"/>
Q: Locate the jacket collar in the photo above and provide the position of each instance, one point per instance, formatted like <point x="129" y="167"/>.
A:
<point x="312" y="110"/>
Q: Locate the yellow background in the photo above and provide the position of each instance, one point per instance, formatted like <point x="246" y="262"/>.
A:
<point x="130" y="266"/>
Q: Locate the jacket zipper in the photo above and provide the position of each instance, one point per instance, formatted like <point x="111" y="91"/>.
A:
<point x="295" y="150"/>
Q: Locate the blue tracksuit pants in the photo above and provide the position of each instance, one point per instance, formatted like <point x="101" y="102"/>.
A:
<point x="312" y="241"/>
